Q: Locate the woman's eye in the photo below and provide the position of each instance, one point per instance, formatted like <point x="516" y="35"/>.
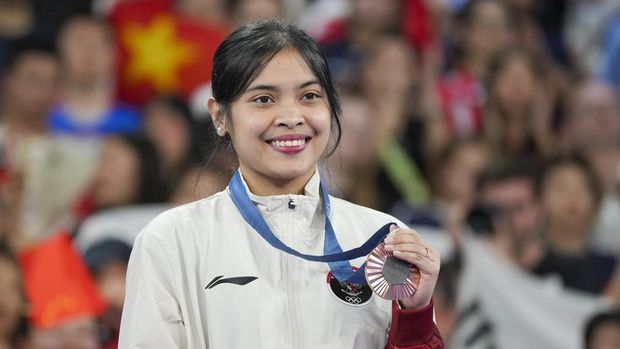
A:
<point x="263" y="100"/>
<point x="310" y="96"/>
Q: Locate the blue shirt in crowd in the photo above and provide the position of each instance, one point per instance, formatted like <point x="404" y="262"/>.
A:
<point x="120" y="118"/>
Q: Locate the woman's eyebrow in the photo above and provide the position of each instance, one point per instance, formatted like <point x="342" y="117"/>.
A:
<point x="275" y="88"/>
<point x="308" y="83"/>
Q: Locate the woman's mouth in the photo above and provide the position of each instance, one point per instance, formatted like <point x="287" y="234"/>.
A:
<point x="289" y="145"/>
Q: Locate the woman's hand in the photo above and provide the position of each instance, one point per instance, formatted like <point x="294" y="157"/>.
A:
<point x="407" y="245"/>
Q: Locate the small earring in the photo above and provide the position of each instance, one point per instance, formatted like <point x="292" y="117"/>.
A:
<point x="220" y="131"/>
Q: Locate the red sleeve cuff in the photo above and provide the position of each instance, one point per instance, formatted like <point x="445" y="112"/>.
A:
<point x="411" y="327"/>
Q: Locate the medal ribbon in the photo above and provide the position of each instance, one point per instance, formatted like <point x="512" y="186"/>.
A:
<point x="337" y="259"/>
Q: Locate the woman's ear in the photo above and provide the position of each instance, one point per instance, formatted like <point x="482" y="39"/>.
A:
<point x="219" y="120"/>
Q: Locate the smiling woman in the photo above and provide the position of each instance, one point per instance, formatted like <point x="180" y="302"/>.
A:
<point x="261" y="264"/>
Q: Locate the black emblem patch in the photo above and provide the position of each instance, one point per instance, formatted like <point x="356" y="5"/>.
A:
<point x="350" y="294"/>
<point x="240" y="280"/>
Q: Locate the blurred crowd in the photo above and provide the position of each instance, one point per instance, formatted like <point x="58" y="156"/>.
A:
<point x="490" y="126"/>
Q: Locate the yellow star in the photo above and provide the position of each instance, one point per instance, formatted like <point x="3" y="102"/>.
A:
<point x="156" y="53"/>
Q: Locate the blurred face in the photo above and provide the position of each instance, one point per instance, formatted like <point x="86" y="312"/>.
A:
<point x="488" y="31"/>
<point x="280" y="125"/>
<point x="75" y="334"/>
<point x="166" y="127"/>
<point x="86" y="50"/>
<point x="31" y="84"/>
<point x="595" y="118"/>
<point x="354" y="149"/>
<point x="117" y="178"/>
<point x="11" y="300"/>
<point x="567" y="200"/>
<point x="516" y="84"/>
<point x="607" y="336"/>
<point x="460" y="172"/>
<point x="392" y="71"/>
<point x="515" y="198"/>
<point x="376" y="16"/>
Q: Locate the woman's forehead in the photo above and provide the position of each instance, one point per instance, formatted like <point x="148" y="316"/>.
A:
<point x="285" y="70"/>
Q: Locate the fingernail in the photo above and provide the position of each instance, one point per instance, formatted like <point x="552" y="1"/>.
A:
<point x="393" y="227"/>
<point x="389" y="240"/>
<point x="389" y="247"/>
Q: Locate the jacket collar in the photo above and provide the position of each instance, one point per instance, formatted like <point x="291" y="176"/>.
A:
<point x="311" y="193"/>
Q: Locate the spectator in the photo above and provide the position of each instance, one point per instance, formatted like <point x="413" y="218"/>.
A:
<point x="29" y="90"/>
<point x="107" y="262"/>
<point x="507" y="190"/>
<point x="350" y="167"/>
<point x="346" y="41"/>
<point x="592" y="127"/>
<point x="518" y="116"/>
<point x="390" y="82"/>
<point x="170" y="125"/>
<point x="486" y="27"/>
<point x="453" y="183"/>
<point x="18" y="22"/>
<point x="88" y="106"/>
<point x="603" y="331"/>
<point x="570" y="194"/>
<point x="128" y="173"/>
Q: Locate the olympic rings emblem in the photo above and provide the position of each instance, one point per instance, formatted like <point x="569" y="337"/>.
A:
<point x="354" y="300"/>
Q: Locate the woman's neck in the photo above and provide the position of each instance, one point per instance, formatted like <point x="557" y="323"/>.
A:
<point x="263" y="186"/>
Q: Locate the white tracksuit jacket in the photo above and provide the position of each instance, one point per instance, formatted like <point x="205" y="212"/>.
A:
<point x="288" y="305"/>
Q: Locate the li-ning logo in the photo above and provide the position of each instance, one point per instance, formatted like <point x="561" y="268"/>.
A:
<point x="240" y="280"/>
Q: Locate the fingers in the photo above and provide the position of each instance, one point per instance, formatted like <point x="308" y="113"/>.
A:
<point x="406" y="244"/>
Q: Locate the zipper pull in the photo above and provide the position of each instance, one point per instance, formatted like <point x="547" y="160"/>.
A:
<point x="291" y="204"/>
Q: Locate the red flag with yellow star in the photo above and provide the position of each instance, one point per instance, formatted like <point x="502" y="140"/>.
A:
<point x="160" y="51"/>
<point x="58" y="285"/>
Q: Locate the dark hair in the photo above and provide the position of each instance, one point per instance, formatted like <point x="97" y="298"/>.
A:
<point x="152" y="188"/>
<point x="178" y="105"/>
<point x="611" y="316"/>
<point x="29" y="45"/>
<point x="503" y="169"/>
<point x="104" y="253"/>
<point x="244" y="54"/>
<point x="575" y="160"/>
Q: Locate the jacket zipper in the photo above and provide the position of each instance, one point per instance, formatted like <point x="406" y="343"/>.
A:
<point x="293" y="272"/>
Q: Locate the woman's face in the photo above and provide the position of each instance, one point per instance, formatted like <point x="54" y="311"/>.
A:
<point x="280" y="125"/>
<point x="166" y="127"/>
<point x="567" y="199"/>
<point x="117" y="178"/>
<point x="460" y="172"/>
<point x="515" y="84"/>
<point x="488" y="31"/>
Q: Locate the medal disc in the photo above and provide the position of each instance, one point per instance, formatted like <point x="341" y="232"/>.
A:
<point x="390" y="277"/>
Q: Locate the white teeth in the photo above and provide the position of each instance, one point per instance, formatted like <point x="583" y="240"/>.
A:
<point x="293" y="143"/>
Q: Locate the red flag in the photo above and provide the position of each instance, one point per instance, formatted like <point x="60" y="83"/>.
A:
<point x="161" y="51"/>
<point x="58" y="284"/>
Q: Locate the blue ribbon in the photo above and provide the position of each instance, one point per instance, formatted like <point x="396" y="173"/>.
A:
<point x="337" y="259"/>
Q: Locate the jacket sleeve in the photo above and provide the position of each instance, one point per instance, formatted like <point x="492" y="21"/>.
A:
<point x="413" y="329"/>
<point x="151" y="314"/>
